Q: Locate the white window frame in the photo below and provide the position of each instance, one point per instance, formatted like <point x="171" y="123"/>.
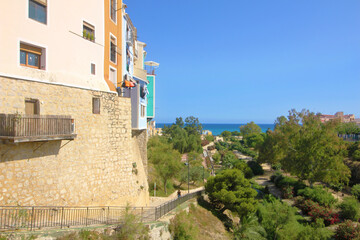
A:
<point x="112" y="35"/>
<point x="115" y="11"/>
<point x="115" y="70"/>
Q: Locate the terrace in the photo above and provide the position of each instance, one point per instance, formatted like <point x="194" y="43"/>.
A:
<point x="15" y="128"/>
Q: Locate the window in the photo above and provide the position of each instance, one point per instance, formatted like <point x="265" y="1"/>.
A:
<point x="128" y="58"/>
<point x="113" y="10"/>
<point x="143" y="111"/>
<point x="93" y="68"/>
<point x="88" y="31"/>
<point x="32" y="107"/>
<point x="31" y="56"/>
<point x="113" y="49"/>
<point x="112" y="76"/>
<point x="37" y="10"/>
<point x="96" y="105"/>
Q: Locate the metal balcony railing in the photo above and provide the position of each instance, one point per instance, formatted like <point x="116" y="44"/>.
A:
<point x="27" y="128"/>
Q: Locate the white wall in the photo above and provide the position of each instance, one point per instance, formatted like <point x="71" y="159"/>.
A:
<point x="68" y="56"/>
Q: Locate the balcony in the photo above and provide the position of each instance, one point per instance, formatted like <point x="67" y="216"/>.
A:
<point x="140" y="73"/>
<point x="15" y="128"/>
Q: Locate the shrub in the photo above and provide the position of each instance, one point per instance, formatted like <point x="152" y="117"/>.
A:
<point x="315" y="211"/>
<point x="356" y="155"/>
<point x="287" y="192"/>
<point x="256" y="168"/>
<point x="355" y="190"/>
<point x="350" y="208"/>
<point x="242" y="166"/>
<point x="181" y="227"/>
<point x="284" y="183"/>
<point x="337" y="187"/>
<point x="275" y="176"/>
<point x="319" y="195"/>
<point x="276" y="166"/>
<point x="347" y="230"/>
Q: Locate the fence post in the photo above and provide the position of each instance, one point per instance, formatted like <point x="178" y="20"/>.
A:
<point x="87" y="214"/>
<point x="108" y="214"/>
<point x="62" y="216"/>
<point x="32" y="216"/>
<point x="142" y="211"/>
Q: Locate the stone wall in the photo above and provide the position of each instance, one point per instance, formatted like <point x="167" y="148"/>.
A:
<point x="140" y="141"/>
<point x="95" y="169"/>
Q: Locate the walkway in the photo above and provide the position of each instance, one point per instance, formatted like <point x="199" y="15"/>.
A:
<point x="264" y="180"/>
<point x="157" y="201"/>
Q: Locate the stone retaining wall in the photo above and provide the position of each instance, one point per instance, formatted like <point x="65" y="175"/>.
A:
<point x="97" y="168"/>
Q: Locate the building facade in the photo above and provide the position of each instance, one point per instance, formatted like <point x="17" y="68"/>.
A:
<point x="65" y="132"/>
<point x="339" y="115"/>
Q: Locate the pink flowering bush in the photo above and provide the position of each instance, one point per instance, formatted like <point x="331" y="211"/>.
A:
<point x="315" y="211"/>
<point x="347" y="230"/>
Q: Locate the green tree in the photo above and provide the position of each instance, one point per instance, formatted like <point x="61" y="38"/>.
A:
<point x="348" y="128"/>
<point x="193" y="126"/>
<point x="255" y="140"/>
<point x="274" y="216"/>
<point x="249" y="228"/>
<point x="306" y="148"/>
<point x="179" y="122"/>
<point x="231" y="190"/>
<point x="226" y="134"/>
<point x="166" y="160"/>
<point x="249" y="129"/>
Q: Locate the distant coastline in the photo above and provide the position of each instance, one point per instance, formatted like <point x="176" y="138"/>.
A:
<point x="218" y="128"/>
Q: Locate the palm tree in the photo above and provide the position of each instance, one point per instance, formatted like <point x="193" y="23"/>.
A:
<point x="249" y="228"/>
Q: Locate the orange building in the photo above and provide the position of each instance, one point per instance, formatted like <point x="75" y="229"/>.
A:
<point x="113" y="42"/>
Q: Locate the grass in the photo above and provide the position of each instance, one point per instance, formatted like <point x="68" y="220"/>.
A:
<point x="204" y="224"/>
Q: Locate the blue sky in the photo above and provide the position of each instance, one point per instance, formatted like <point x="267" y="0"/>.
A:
<point x="235" y="61"/>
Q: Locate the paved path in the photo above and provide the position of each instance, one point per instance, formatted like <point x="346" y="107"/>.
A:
<point x="156" y="201"/>
<point x="264" y="180"/>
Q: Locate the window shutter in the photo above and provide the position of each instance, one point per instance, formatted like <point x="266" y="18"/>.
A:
<point x="31" y="49"/>
<point x="42" y="2"/>
<point x="96" y="105"/>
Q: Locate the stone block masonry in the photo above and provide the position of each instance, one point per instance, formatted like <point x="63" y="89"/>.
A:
<point x="98" y="168"/>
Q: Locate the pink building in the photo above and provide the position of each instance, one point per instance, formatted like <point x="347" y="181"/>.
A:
<point x="340" y="115"/>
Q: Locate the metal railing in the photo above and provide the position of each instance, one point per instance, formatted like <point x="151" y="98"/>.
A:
<point x="17" y="125"/>
<point x="14" y="218"/>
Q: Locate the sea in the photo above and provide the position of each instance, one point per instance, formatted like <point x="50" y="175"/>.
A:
<point x="218" y="128"/>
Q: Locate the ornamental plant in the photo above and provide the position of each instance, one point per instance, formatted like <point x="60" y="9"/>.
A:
<point x="287" y="192"/>
<point x="319" y="195"/>
<point x="347" y="230"/>
<point x="316" y="211"/>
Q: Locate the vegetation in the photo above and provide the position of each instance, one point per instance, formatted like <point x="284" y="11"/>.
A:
<point x="130" y="228"/>
<point x="348" y="128"/>
<point x="231" y="190"/>
<point x="185" y="137"/>
<point x="281" y="222"/>
<point x="319" y="195"/>
<point x="306" y="148"/>
<point x="249" y="228"/>
<point x="255" y="167"/>
<point x="355" y="191"/>
<point x="165" y="158"/>
<point x="350" y="208"/>
<point x="181" y="228"/>
<point x="347" y="230"/>
<point x="250" y="129"/>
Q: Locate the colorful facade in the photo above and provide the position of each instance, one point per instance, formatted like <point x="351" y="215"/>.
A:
<point x="66" y="135"/>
